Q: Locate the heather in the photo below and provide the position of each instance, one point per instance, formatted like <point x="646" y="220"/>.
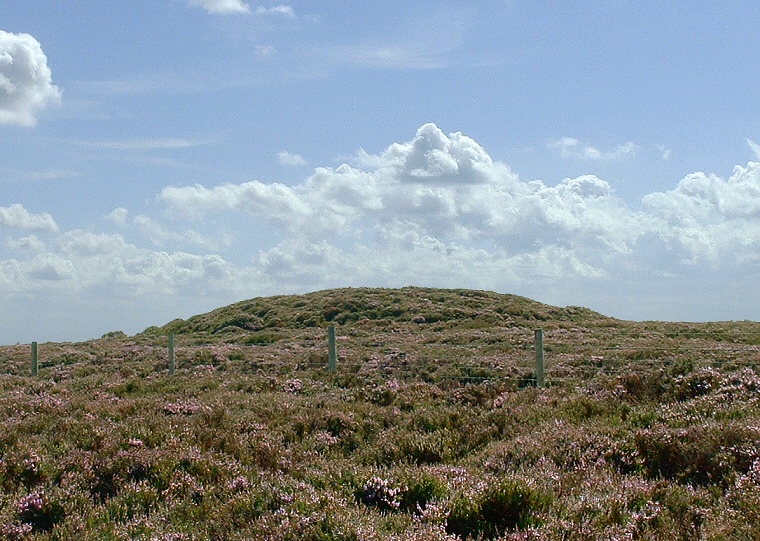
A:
<point x="431" y="427"/>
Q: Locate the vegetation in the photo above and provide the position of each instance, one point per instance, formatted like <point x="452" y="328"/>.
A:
<point x="431" y="428"/>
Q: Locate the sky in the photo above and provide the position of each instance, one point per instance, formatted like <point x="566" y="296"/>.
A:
<point x="162" y="158"/>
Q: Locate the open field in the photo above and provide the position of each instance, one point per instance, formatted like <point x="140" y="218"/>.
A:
<point x="431" y="427"/>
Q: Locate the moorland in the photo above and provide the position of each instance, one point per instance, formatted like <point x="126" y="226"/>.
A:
<point x="431" y="427"/>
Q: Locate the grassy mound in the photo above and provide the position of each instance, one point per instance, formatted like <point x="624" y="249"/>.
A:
<point x="382" y="307"/>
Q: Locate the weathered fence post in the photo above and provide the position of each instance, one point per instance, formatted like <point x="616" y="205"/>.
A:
<point x="171" y="353"/>
<point x="34" y="358"/>
<point x="539" y="346"/>
<point x="332" y="349"/>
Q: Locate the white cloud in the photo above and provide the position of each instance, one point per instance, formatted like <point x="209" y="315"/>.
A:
<point x="17" y="217"/>
<point x="265" y="51"/>
<point x="755" y="148"/>
<point x="50" y="268"/>
<point x="569" y="147"/>
<point x="144" y="144"/>
<point x="427" y="43"/>
<point x="222" y="6"/>
<point x="118" y="216"/>
<point x="161" y="236"/>
<point x="436" y="210"/>
<point x="443" y="188"/>
<point x="26" y="85"/>
<point x="272" y="201"/>
<point x="440" y="196"/>
<point x="51" y="174"/>
<point x="281" y="10"/>
<point x="412" y="55"/>
<point x="30" y="243"/>
<point x="435" y="157"/>
<point x="288" y="158"/>
<point x="709" y="219"/>
<point x="87" y="261"/>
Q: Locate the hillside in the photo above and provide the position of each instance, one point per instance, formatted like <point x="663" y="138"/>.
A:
<point x="430" y="428"/>
<point x="383" y="307"/>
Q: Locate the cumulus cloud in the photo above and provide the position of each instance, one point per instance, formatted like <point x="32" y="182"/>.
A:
<point x="437" y="191"/>
<point x="222" y="6"/>
<point x="436" y="210"/>
<point x="435" y="157"/>
<point x="275" y="201"/>
<point x="17" y="217"/>
<point x="30" y="243"/>
<point x="569" y="147"/>
<point x="711" y="219"/>
<point x="288" y="158"/>
<point x="50" y="268"/>
<point x="88" y="261"/>
<point x="26" y="85"/>
<point x="440" y="201"/>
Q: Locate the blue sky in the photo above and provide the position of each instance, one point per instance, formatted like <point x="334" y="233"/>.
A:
<point x="163" y="158"/>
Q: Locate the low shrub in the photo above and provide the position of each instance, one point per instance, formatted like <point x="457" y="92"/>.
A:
<point x="695" y="384"/>
<point x="381" y="494"/>
<point x="420" y="492"/>
<point x="259" y="440"/>
<point x="644" y="386"/>
<point x="505" y="506"/>
<point x="700" y="455"/>
<point x="411" y="494"/>
<point x="438" y="447"/>
<point x="38" y="511"/>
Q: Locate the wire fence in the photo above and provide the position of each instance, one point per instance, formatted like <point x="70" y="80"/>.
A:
<point x="559" y="357"/>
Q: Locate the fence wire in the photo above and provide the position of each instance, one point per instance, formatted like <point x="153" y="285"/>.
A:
<point x="474" y="356"/>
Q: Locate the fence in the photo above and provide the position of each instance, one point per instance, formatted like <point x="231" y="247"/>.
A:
<point x="573" y="359"/>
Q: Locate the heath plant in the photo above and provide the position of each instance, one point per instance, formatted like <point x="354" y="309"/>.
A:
<point x="431" y="428"/>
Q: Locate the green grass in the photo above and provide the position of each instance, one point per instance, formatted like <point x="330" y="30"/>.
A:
<point x="430" y="429"/>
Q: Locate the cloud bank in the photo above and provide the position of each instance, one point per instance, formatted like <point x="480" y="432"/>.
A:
<point x="443" y="196"/>
<point x="26" y="86"/>
<point x="437" y="210"/>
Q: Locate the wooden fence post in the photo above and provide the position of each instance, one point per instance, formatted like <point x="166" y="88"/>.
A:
<point x="539" y="346"/>
<point x="332" y="349"/>
<point x="171" y="353"/>
<point x="34" y="358"/>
